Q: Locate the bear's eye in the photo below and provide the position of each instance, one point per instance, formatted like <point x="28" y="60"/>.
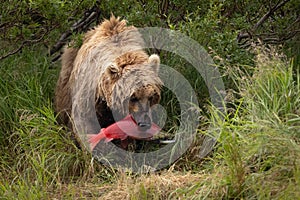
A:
<point x="150" y="99"/>
<point x="153" y="99"/>
<point x="134" y="99"/>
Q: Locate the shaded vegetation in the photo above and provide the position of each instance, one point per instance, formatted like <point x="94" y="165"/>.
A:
<point x="258" y="151"/>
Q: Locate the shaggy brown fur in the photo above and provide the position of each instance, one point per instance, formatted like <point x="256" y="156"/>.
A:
<point x="127" y="78"/>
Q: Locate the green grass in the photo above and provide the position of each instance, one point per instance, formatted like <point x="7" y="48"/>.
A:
<point x="36" y="152"/>
<point x="256" y="157"/>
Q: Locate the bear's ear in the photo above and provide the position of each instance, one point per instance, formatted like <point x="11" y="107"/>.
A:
<point x="113" y="71"/>
<point x="154" y="61"/>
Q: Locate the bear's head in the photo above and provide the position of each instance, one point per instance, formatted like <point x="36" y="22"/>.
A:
<point x="131" y="85"/>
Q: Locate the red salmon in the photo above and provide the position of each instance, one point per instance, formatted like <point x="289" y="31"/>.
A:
<point x="122" y="129"/>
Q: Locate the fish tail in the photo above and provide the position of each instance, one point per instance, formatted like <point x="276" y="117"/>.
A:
<point x="108" y="140"/>
<point x="94" y="139"/>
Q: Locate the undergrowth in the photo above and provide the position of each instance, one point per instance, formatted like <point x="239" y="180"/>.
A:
<point x="256" y="156"/>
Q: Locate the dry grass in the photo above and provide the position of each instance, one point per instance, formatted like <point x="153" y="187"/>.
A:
<point x="153" y="186"/>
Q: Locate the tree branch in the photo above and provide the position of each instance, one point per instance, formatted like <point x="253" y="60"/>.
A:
<point x="13" y="52"/>
<point x="268" y="14"/>
<point x="24" y="43"/>
<point x="250" y="33"/>
<point x="82" y="24"/>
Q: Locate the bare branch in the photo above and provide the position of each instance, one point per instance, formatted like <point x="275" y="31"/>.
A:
<point x="13" y="52"/>
<point x="24" y="43"/>
<point x="268" y="14"/>
<point x="82" y="24"/>
<point x="293" y="24"/>
<point x="267" y="37"/>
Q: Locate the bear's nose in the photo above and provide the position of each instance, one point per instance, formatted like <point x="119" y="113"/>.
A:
<point x="144" y="126"/>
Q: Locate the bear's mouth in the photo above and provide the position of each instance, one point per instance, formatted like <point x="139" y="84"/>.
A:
<point x="142" y="120"/>
<point x="143" y="128"/>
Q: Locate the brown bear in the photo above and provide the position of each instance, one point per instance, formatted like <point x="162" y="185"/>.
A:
<point x="127" y="77"/>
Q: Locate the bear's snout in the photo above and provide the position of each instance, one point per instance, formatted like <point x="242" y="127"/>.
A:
<point x="143" y="120"/>
<point x="145" y="124"/>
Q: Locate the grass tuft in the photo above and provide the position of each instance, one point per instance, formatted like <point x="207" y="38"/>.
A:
<point x="256" y="157"/>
